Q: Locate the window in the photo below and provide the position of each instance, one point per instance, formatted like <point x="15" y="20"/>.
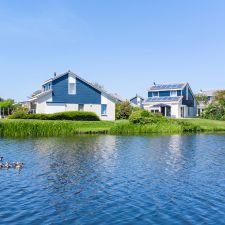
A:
<point x="173" y="93"/>
<point x="104" y="110"/>
<point x="81" y="107"/>
<point x="72" y="88"/>
<point x="155" y="94"/>
<point x="71" y="85"/>
<point x="154" y="111"/>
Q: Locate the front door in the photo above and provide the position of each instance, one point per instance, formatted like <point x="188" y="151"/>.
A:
<point x="163" y="110"/>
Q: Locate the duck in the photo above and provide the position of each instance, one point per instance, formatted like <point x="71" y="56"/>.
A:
<point x="1" y="158"/>
<point x="7" y="165"/>
<point x="1" y="165"/>
<point x="18" y="165"/>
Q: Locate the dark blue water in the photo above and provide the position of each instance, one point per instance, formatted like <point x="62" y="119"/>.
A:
<point x="114" y="180"/>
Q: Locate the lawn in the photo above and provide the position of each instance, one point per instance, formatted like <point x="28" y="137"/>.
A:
<point x="207" y="125"/>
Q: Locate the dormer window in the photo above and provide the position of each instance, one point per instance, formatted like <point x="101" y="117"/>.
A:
<point x="173" y="93"/>
<point x="71" y="85"/>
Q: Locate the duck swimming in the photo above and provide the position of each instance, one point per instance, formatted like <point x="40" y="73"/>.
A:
<point x="18" y="165"/>
<point x="7" y="165"/>
<point x="1" y="158"/>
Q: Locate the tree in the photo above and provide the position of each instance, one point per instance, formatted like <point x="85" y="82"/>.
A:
<point x="201" y="98"/>
<point x="220" y="97"/>
<point x="123" y="110"/>
<point x="6" y="106"/>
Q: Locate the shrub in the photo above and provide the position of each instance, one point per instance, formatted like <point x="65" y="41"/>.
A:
<point x="144" y="117"/>
<point x="72" y="115"/>
<point x="123" y="110"/>
<point x="214" y="111"/>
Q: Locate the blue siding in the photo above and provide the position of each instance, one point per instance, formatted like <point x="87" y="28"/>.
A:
<point x="190" y="101"/>
<point x="164" y="93"/>
<point x="134" y="100"/>
<point x="179" y="93"/>
<point x="85" y="94"/>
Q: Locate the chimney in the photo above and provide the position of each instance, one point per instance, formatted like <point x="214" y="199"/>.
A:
<point x="54" y="74"/>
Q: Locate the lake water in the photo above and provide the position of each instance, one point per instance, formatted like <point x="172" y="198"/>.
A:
<point x="114" y="180"/>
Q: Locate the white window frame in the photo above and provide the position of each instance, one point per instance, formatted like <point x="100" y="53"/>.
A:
<point x="72" y="81"/>
<point x="106" y="109"/>
<point x="173" y="93"/>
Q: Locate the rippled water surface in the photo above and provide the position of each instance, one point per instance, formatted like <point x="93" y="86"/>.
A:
<point x="114" y="180"/>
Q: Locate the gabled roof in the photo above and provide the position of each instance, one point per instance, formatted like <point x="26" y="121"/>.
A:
<point x="161" y="87"/>
<point x="163" y="99"/>
<point x="137" y="96"/>
<point x="90" y="84"/>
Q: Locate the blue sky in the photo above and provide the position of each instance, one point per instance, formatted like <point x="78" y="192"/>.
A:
<point x="125" y="45"/>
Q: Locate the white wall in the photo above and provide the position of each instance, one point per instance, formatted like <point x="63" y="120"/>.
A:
<point x="55" y="107"/>
<point x="175" y="108"/>
<point x="44" y="107"/>
<point x="111" y="108"/>
<point x="41" y="103"/>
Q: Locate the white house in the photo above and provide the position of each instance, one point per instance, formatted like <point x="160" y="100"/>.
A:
<point x="69" y="92"/>
<point x="172" y="100"/>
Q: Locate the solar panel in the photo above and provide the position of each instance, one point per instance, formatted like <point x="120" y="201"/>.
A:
<point x="162" y="99"/>
<point x="166" y="86"/>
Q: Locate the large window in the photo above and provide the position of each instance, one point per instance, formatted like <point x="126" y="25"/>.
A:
<point x="155" y="94"/>
<point x="104" y="110"/>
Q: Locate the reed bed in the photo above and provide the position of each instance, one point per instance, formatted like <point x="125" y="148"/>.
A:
<point x="41" y="128"/>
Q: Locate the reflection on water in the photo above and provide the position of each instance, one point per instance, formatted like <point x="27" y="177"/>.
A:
<point x="114" y="180"/>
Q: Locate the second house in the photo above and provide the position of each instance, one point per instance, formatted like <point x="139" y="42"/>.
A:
<point x="172" y="100"/>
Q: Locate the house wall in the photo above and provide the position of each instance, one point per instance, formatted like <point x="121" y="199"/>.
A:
<point x="189" y="112"/>
<point x="175" y="108"/>
<point x="41" y="103"/>
<point x="85" y="94"/>
<point x="111" y="108"/>
<point x="44" y="105"/>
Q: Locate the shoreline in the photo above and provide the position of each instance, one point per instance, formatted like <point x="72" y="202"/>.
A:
<point x="57" y="128"/>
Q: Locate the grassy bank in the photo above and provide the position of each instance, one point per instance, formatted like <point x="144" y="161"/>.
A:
<point x="40" y="128"/>
<point x="207" y="125"/>
<point x="45" y="128"/>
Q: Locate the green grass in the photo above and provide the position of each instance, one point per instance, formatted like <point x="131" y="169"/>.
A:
<point x="207" y="125"/>
<point x="46" y="128"/>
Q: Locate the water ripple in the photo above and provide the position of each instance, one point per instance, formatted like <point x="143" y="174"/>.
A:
<point x="114" y="180"/>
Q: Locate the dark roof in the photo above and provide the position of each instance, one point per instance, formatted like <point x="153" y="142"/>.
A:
<point x="164" y="99"/>
<point x="157" y="87"/>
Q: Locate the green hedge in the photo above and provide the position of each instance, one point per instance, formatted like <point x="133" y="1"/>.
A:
<point x="72" y="115"/>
